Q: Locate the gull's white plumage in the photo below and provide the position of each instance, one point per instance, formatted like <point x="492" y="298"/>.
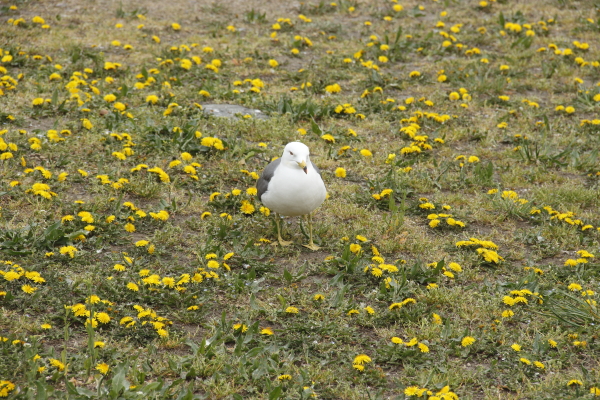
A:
<point x="291" y="191"/>
<point x="292" y="184"/>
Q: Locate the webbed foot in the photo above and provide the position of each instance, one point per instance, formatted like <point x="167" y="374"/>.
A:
<point x="312" y="246"/>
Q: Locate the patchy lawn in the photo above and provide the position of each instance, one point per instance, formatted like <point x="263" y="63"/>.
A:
<point x="459" y="242"/>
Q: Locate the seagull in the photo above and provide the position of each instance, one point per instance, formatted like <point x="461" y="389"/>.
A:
<point x="292" y="186"/>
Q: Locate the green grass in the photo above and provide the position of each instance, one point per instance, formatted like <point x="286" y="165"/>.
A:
<point x="187" y="295"/>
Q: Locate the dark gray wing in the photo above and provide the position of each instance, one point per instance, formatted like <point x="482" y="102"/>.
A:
<point x="315" y="167"/>
<point x="263" y="182"/>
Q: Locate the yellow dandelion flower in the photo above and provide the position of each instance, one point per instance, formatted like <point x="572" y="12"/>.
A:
<point x="361" y="359"/>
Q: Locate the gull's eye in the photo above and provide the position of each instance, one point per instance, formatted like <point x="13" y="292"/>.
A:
<point x="291" y="153"/>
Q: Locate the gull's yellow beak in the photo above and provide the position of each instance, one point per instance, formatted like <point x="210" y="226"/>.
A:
<point x="303" y="166"/>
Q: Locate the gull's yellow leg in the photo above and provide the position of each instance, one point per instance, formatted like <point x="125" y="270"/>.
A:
<point x="310" y="244"/>
<point x="279" y="239"/>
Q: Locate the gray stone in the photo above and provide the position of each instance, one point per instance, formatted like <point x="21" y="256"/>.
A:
<point x="230" y="111"/>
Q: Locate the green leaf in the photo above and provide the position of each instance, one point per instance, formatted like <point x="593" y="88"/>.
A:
<point x="119" y="383"/>
<point x="282" y="300"/>
<point x="151" y="387"/>
<point x="187" y="395"/>
<point x="339" y="296"/>
<point x="254" y="352"/>
<point x="260" y="371"/>
<point x="194" y="346"/>
<point x="85" y="392"/>
<point x="17" y="252"/>
<point x="275" y="393"/>
<point x="191" y="374"/>
<point x="392" y="204"/>
<point x="41" y="391"/>
<point x="238" y="345"/>
<point x="71" y="389"/>
<point x="287" y="276"/>
<point x="55" y="97"/>
<point x="398" y="35"/>
<point x="315" y="128"/>
<point x="253" y="304"/>
<point x="53" y="232"/>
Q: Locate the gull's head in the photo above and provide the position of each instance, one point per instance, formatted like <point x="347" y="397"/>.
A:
<point x="296" y="154"/>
